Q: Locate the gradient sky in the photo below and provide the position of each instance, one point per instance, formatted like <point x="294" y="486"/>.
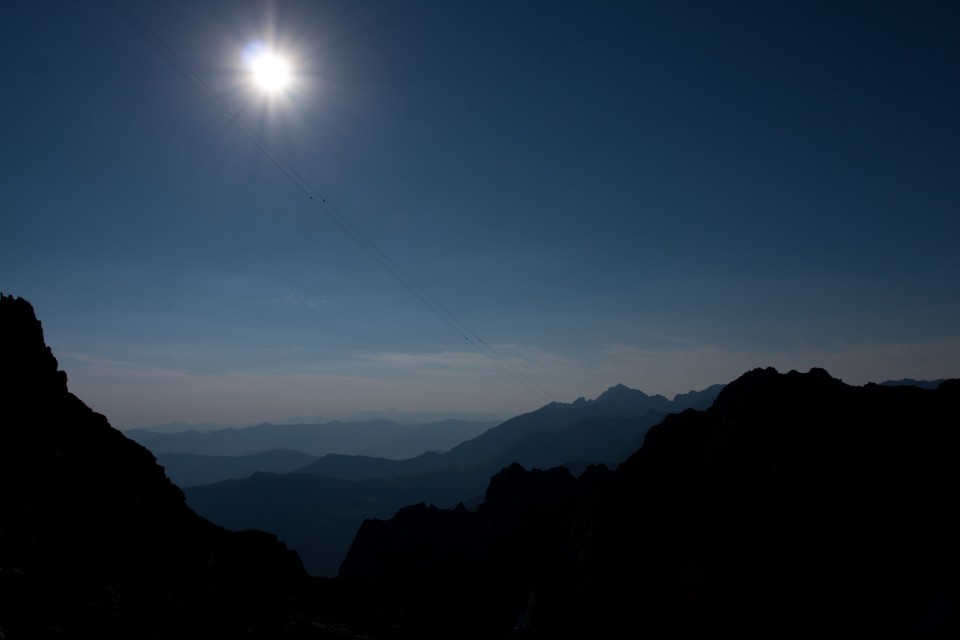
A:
<point x="660" y="194"/>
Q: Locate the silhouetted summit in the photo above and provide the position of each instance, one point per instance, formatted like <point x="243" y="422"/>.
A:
<point x="320" y="513"/>
<point x="795" y="506"/>
<point x="96" y="542"/>
<point x="27" y="366"/>
<point x="473" y="570"/>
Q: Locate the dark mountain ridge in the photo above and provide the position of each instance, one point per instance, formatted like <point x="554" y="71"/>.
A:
<point x="187" y="469"/>
<point x="189" y="456"/>
<point x="604" y="430"/>
<point x="96" y="542"/>
<point x="794" y="506"/>
<point x="315" y="439"/>
<point x="910" y="382"/>
<point x="615" y="421"/>
<point x="371" y="437"/>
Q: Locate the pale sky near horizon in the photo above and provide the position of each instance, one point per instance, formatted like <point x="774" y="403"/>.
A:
<point x="659" y="194"/>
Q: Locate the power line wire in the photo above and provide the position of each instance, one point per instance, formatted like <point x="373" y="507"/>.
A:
<point x="328" y="209"/>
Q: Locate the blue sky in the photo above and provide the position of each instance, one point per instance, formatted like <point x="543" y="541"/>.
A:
<point x="662" y="194"/>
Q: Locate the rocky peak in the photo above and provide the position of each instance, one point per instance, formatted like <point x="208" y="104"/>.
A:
<point x="795" y="503"/>
<point x="27" y="364"/>
<point x="95" y="541"/>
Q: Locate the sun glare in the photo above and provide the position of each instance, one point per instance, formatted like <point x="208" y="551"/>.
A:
<point x="270" y="72"/>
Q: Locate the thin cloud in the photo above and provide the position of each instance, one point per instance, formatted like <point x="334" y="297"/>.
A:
<point x="87" y="359"/>
<point x="296" y="300"/>
<point x="528" y="359"/>
<point x="444" y="359"/>
<point x="282" y="350"/>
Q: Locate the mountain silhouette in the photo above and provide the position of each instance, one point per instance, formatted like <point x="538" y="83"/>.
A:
<point x="187" y="469"/>
<point x="191" y="456"/>
<point x="370" y="437"/>
<point x="795" y="506"/>
<point x="604" y="430"/>
<point x="315" y="439"/>
<point x="910" y="382"/>
<point x="95" y="541"/>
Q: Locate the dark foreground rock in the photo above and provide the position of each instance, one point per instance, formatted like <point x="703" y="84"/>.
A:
<point x="795" y="506"/>
<point x="96" y="542"/>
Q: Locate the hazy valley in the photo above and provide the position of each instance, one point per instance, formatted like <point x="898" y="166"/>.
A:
<point x="779" y="504"/>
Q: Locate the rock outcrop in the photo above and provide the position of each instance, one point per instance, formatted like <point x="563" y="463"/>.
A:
<point x="796" y="505"/>
<point x="96" y="542"/>
<point x="471" y="571"/>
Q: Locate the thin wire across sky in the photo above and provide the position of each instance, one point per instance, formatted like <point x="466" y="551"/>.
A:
<point x="329" y="209"/>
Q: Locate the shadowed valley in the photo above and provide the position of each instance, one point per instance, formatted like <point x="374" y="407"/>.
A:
<point x="96" y="542"/>
<point x="318" y="508"/>
<point x="783" y="505"/>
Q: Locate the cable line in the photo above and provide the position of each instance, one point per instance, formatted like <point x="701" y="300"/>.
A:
<point x="328" y="209"/>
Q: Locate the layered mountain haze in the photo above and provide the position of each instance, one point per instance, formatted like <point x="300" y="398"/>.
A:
<point x="370" y="437"/>
<point x="603" y="430"/>
<point x="96" y="542"/>
<point x="191" y="457"/>
<point x="479" y="320"/>
<point x="188" y="469"/>
<point x="910" y="382"/>
<point x="779" y="505"/>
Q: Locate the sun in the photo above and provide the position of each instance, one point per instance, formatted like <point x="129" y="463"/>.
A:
<point x="270" y="72"/>
<point x="268" y="69"/>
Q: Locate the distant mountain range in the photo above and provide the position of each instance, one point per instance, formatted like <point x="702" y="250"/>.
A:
<point x="910" y="382"/>
<point x="604" y="430"/>
<point x="187" y="469"/>
<point x="794" y="505"/>
<point x="96" y="543"/>
<point x="186" y="455"/>
<point x="176" y="427"/>
<point x="372" y="437"/>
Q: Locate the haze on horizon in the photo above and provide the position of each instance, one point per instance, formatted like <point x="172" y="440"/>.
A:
<point x="658" y="194"/>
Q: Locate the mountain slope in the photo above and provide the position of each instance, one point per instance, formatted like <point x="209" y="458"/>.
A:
<point x="315" y="439"/>
<point x="96" y="542"/>
<point x="603" y="430"/>
<point x="430" y="437"/>
<point x="618" y="402"/>
<point x="187" y="469"/>
<point x="370" y="437"/>
<point x="319" y="516"/>
<point x="794" y="505"/>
